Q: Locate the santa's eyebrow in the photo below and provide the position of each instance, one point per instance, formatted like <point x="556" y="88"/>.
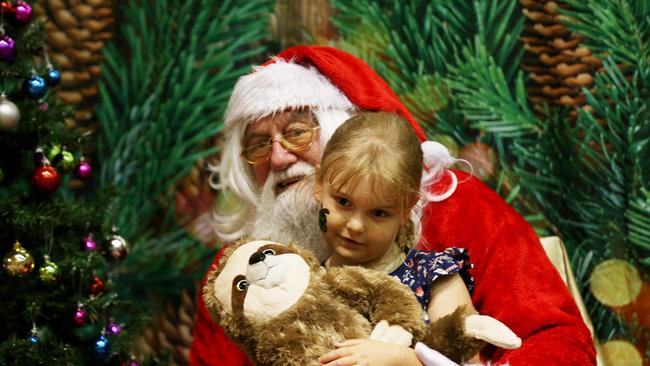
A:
<point x="254" y="135"/>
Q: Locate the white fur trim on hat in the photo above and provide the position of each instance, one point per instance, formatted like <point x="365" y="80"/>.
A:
<point x="280" y="86"/>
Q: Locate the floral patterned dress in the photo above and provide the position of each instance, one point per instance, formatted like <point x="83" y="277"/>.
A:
<point x="421" y="267"/>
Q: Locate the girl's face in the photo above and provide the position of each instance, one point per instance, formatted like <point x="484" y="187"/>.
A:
<point x="360" y="226"/>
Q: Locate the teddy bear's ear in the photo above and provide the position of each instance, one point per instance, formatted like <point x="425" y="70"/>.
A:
<point x="210" y="297"/>
<point x="227" y="252"/>
<point x="209" y="293"/>
<point x="307" y="255"/>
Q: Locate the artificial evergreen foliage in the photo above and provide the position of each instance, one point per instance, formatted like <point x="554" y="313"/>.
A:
<point x="165" y="85"/>
<point x="52" y="224"/>
<point x="457" y="65"/>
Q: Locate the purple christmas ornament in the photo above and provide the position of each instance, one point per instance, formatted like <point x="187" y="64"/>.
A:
<point x="131" y="362"/>
<point x="89" y="243"/>
<point x="113" y="328"/>
<point x="83" y="169"/>
<point x="39" y="157"/>
<point x="80" y="316"/>
<point x="23" y="12"/>
<point x="7" y="48"/>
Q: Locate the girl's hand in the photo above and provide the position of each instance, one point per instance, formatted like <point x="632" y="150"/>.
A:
<point x="365" y="352"/>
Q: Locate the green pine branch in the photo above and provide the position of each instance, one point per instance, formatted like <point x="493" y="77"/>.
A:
<point x="619" y="29"/>
<point x="485" y="97"/>
<point x="415" y="44"/>
<point x="163" y="95"/>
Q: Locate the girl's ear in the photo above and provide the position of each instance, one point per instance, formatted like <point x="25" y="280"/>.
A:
<point x="411" y="204"/>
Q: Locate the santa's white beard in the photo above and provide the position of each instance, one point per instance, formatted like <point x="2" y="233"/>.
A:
<point x="292" y="216"/>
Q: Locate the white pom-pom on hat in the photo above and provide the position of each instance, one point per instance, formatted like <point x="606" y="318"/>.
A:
<point x="436" y="159"/>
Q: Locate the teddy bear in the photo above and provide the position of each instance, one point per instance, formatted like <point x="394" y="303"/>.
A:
<point x="281" y="307"/>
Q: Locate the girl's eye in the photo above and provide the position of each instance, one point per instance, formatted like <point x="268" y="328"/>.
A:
<point x="380" y="213"/>
<point x="242" y="285"/>
<point x="268" y="252"/>
<point x="343" y="201"/>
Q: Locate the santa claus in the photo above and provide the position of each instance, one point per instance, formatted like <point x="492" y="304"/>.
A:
<point x="322" y="87"/>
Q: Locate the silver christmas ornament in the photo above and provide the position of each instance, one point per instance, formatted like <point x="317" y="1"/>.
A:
<point x="116" y="246"/>
<point x="9" y="113"/>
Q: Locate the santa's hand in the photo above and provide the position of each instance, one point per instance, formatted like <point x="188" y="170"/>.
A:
<point x="395" y="334"/>
<point x="490" y="330"/>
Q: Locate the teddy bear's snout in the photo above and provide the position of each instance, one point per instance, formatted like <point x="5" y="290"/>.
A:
<point x="265" y="270"/>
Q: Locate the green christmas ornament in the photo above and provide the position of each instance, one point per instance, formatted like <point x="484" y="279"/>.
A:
<point x="61" y="158"/>
<point x="54" y="151"/>
<point x="18" y="262"/>
<point x="67" y="162"/>
<point x="49" y="272"/>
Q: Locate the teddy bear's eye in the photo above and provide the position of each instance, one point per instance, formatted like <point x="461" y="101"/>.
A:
<point x="269" y="252"/>
<point x="242" y="285"/>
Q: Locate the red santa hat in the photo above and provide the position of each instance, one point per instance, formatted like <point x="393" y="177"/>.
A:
<point x="315" y="77"/>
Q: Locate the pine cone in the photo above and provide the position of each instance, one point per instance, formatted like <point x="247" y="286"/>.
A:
<point x="170" y="331"/>
<point x="559" y="66"/>
<point x="76" y="34"/>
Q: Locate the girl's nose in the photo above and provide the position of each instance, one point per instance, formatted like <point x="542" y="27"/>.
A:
<point x="355" y="225"/>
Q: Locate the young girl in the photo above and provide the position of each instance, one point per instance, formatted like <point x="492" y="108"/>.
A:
<point x="371" y="187"/>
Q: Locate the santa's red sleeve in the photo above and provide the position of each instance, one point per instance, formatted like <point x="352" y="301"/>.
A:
<point x="210" y="345"/>
<point x="514" y="280"/>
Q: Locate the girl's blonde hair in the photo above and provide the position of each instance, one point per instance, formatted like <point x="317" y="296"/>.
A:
<point x="383" y="148"/>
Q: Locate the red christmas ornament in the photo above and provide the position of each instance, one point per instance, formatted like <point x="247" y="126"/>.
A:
<point x="484" y="160"/>
<point x="46" y="179"/>
<point x="97" y="287"/>
<point x="6" y="7"/>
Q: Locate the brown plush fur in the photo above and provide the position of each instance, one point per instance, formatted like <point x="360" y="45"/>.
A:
<point x="340" y="303"/>
<point x="447" y="336"/>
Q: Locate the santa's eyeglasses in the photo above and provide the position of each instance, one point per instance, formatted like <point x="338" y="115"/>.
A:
<point x="295" y="139"/>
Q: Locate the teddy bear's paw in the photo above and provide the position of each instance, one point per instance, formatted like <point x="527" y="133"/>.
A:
<point x="488" y="329"/>
<point x="395" y="334"/>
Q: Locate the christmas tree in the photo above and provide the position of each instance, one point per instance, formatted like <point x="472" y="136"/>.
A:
<point x="61" y="253"/>
<point x="549" y="102"/>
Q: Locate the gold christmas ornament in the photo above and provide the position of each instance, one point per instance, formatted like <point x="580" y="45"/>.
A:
<point x="18" y="262"/>
<point x="615" y="282"/>
<point x="621" y="353"/>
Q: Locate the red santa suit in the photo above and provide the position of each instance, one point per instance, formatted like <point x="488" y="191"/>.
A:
<point x="514" y="280"/>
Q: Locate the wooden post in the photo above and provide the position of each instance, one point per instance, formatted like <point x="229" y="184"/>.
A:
<point x="302" y="22"/>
